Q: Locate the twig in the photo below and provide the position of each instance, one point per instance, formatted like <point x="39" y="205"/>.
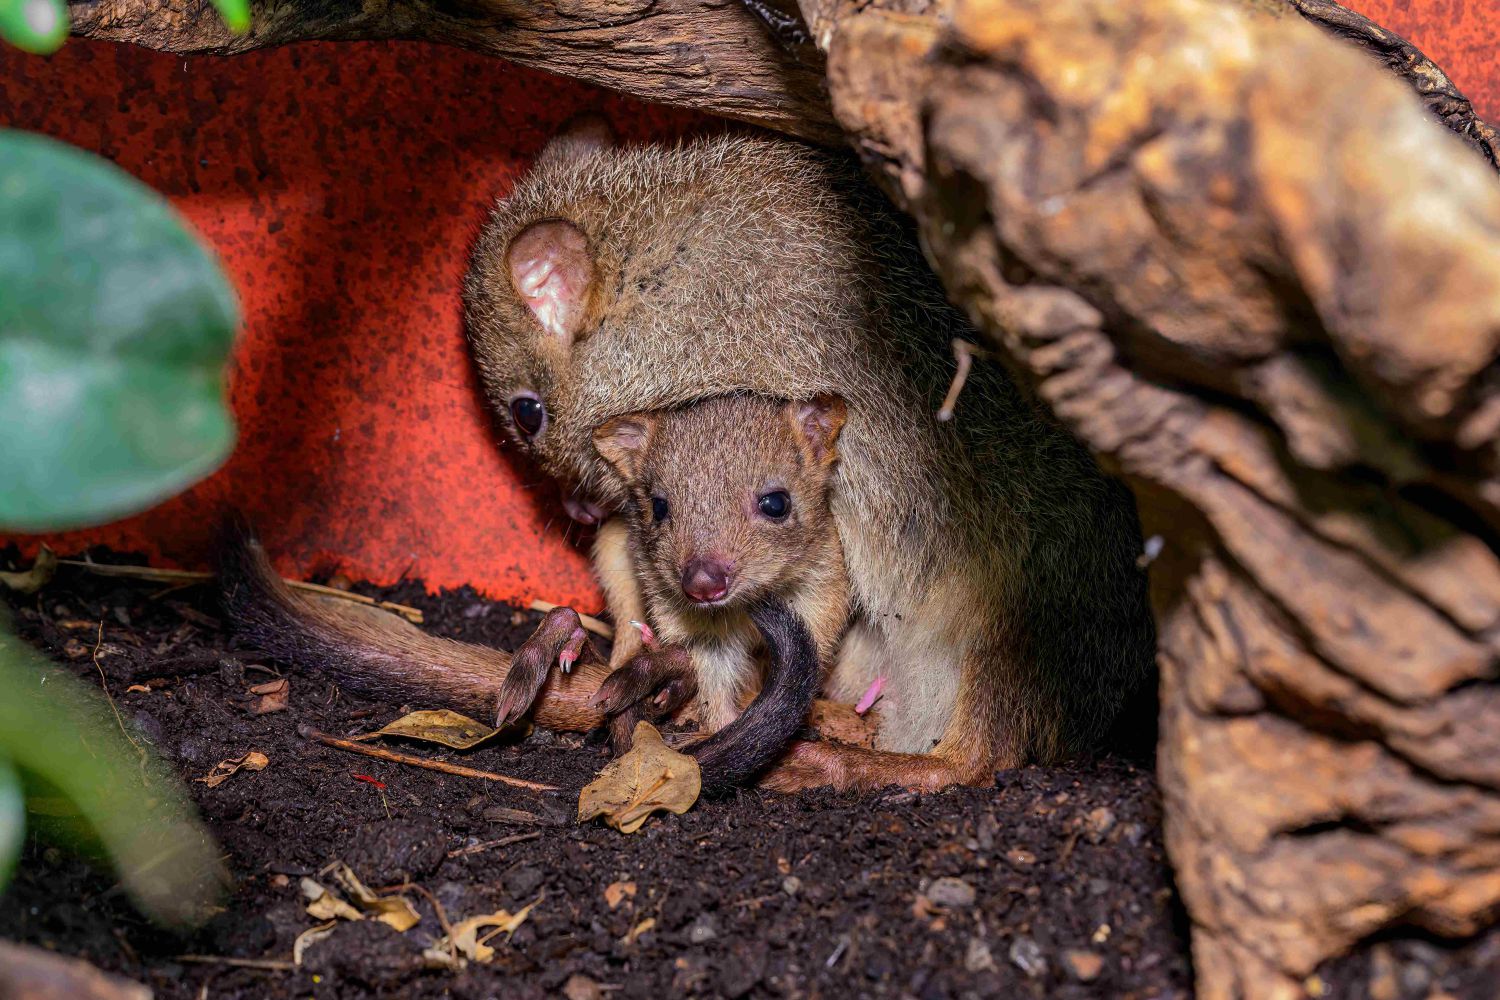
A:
<point x="589" y="622"/>
<point x="464" y="852"/>
<point x="184" y="576"/>
<point x="104" y="686"/>
<point x="309" y="733"/>
<point x="437" y="908"/>
<point x="268" y="964"/>
<point x="964" y="353"/>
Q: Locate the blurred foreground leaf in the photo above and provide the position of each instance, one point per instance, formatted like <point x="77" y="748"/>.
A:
<point x="61" y="735"/>
<point x="236" y="14"/>
<point x="115" y="326"/>
<point x="39" y="26"/>
<point x="12" y="818"/>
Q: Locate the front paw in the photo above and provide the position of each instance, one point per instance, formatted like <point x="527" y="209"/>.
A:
<point x="559" y="638"/>
<point x="652" y="685"/>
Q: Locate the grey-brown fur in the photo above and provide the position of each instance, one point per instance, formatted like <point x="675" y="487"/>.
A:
<point x="989" y="546"/>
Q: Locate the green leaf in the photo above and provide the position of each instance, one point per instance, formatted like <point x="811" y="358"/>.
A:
<point x="12" y="819"/>
<point x="38" y="26"/>
<point x="62" y="735"/>
<point x="236" y="14"/>
<point x="114" y="330"/>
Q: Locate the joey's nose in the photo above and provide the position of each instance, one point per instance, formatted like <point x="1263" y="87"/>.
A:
<point x="705" y="580"/>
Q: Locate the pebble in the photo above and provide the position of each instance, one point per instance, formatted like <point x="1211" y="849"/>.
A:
<point x="1026" y="955"/>
<point x="791" y="885"/>
<point x="703" y="930"/>
<point x="977" y="957"/>
<point x="1019" y="857"/>
<point x="953" y="893"/>
<point x="1085" y="966"/>
<point x="581" y="987"/>
<point x="1100" y="822"/>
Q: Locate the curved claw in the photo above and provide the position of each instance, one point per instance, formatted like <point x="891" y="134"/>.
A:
<point x="560" y="637"/>
<point x="647" y="673"/>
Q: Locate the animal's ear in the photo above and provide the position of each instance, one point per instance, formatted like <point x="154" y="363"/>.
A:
<point x="818" y="422"/>
<point x="584" y="133"/>
<point x="622" y="442"/>
<point x="552" y="269"/>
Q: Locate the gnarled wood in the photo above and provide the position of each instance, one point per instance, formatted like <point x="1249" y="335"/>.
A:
<point x="1240" y="262"/>
<point x="713" y="55"/>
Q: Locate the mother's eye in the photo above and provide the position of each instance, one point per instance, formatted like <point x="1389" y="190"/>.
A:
<point x="529" y="414"/>
<point x="659" y="509"/>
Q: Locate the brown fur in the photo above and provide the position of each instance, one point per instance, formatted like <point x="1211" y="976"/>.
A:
<point x="991" y="565"/>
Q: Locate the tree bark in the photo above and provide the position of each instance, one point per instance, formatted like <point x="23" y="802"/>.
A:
<point x="1238" y="260"/>
<point x="714" y="55"/>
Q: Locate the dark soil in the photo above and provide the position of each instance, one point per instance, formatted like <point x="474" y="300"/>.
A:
<point x="1053" y="883"/>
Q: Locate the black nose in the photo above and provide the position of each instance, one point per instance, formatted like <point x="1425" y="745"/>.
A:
<point x="705" y="580"/>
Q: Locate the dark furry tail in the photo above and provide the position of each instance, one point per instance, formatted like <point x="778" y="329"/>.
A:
<point x="374" y="653"/>
<point x="738" y="753"/>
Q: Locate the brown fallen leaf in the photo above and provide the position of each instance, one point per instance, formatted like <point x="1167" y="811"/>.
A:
<point x="397" y="911"/>
<point x="274" y="696"/>
<point x="616" y="892"/>
<point x="34" y="579"/>
<point x="224" y="769"/>
<point x="466" y="937"/>
<point x="324" y="905"/>
<point x="442" y="726"/>
<point x="138" y="689"/>
<point x="310" y="937"/>
<point x="648" y="777"/>
<point x="638" y="930"/>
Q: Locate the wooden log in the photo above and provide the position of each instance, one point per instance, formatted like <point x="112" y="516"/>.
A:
<point x="1240" y="262"/>
<point x="713" y="55"/>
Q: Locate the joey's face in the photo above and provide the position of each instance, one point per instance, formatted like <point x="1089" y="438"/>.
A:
<point x="728" y="498"/>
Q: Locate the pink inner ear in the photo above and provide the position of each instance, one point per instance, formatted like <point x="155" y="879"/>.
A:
<point x="552" y="271"/>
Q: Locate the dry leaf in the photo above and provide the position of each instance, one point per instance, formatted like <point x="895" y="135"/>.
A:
<point x="310" y="937"/>
<point x="324" y="905"/>
<point x="638" y="930"/>
<point x="275" y="696"/>
<point x="466" y="932"/>
<point x="396" y="911"/>
<point x="138" y="688"/>
<point x="252" y="761"/>
<point x="648" y="777"/>
<point x="448" y="728"/>
<point x="34" y="579"/>
<point x="616" y="892"/>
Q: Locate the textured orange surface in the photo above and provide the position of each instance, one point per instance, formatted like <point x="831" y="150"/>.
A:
<point x="341" y="185"/>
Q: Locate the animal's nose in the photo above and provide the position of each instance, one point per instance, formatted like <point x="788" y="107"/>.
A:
<point x="705" y="580"/>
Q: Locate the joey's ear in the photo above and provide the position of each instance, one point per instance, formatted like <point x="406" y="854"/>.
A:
<point x="622" y="442"/>
<point x="584" y="133"/>
<point x="818" y="421"/>
<point x="552" y="269"/>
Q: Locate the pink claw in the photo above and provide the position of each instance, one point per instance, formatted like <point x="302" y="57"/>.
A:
<point x="871" y="696"/>
<point x="571" y="650"/>
<point x="647" y="636"/>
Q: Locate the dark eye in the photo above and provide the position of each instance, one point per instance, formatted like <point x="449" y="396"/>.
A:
<point x="658" y="509"/>
<point x="529" y="414"/>
<point x="775" y="505"/>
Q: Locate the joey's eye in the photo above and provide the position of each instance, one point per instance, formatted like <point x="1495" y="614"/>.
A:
<point x="658" y="509"/>
<point x="775" y="505"/>
<point x="529" y="414"/>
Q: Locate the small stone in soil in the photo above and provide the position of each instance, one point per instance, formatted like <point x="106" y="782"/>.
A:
<point x="1085" y="966"/>
<point x="952" y="893"/>
<point x="977" y="957"/>
<point x="1026" y="955"/>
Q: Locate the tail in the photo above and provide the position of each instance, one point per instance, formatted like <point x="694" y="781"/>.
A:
<point x="738" y="753"/>
<point x="376" y="654"/>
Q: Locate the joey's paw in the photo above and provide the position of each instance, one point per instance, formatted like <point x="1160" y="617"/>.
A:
<point x="656" y="682"/>
<point x="559" y="639"/>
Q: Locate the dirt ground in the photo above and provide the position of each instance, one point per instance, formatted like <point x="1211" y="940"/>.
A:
<point x="1053" y="883"/>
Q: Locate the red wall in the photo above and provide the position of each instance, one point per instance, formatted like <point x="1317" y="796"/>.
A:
<point x="341" y="185"/>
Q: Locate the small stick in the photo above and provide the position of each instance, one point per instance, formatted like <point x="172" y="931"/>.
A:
<point x="183" y="576"/>
<point x="309" y="733"/>
<point x="594" y="625"/>
<point x="964" y="353"/>
<point x="268" y="964"/>
<point x="464" y="852"/>
<point x="437" y="908"/>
